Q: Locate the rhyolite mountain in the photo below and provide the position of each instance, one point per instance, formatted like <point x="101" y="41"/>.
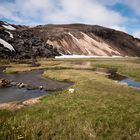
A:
<point x="18" y="41"/>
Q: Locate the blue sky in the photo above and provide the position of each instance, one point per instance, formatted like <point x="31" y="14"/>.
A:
<point x="122" y="15"/>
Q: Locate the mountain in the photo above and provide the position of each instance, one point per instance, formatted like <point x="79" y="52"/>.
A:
<point x="18" y="41"/>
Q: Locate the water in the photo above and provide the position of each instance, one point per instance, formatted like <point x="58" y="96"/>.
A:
<point x="130" y="82"/>
<point x="124" y="80"/>
<point x="15" y="94"/>
<point x="34" y="80"/>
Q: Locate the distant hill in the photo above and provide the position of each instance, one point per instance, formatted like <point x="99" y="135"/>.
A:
<point x="18" y="41"/>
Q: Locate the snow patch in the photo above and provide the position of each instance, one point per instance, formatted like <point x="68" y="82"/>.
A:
<point x="116" y="56"/>
<point x="68" y="51"/>
<point x="9" y="27"/>
<point x="73" y="36"/>
<point x="6" y="45"/>
<point x="83" y="56"/>
<point x="6" y="23"/>
<point x="61" y="53"/>
<point x="88" y="51"/>
<point x="11" y="35"/>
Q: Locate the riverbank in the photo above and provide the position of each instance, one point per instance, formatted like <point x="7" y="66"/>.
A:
<point x="17" y="88"/>
<point x="98" y="108"/>
<point x="13" y="106"/>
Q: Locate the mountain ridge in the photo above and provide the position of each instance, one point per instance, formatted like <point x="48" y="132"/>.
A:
<point x="66" y="39"/>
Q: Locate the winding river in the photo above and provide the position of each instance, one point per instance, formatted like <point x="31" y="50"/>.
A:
<point x="32" y="78"/>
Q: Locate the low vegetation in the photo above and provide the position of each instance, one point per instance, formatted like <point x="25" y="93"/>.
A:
<point x="99" y="108"/>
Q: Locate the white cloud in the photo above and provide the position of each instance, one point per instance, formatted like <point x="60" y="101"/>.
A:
<point x="9" y="13"/>
<point x="133" y="4"/>
<point x="137" y="34"/>
<point x="61" y="11"/>
<point x="90" y="11"/>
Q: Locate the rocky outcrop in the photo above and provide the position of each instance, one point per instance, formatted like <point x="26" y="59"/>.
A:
<point x="54" y="40"/>
<point x="26" y="45"/>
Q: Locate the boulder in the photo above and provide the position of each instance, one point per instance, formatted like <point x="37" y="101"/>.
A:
<point x="4" y="83"/>
<point x="21" y="85"/>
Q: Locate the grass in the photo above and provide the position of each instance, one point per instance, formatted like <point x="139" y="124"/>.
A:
<point x="99" y="108"/>
<point x="126" y="68"/>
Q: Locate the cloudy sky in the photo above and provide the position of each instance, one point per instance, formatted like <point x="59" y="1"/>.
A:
<point x="122" y="15"/>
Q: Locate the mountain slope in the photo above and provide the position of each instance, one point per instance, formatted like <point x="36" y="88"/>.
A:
<point x="80" y="39"/>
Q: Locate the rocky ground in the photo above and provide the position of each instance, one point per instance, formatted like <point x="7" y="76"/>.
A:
<point x="25" y="44"/>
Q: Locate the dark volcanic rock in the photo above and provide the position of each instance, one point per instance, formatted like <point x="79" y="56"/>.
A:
<point x="26" y="45"/>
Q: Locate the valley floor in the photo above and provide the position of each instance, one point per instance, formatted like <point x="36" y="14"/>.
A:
<point x="98" y="108"/>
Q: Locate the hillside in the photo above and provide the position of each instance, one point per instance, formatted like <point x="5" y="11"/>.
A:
<point x="18" y="41"/>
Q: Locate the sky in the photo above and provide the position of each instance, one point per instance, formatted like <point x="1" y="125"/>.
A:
<point x="123" y="15"/>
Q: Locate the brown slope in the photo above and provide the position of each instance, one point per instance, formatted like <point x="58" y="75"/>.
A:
<point x="89" y="40"/>
<point x="51" y="40"/>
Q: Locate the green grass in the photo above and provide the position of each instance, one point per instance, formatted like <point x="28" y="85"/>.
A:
<point x="99" y="109"/>
<point x="128" y="68"/>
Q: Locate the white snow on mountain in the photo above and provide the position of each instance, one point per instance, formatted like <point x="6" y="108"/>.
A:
<point x="84" y="56"/>
<point x="6" y="45"/>
<point x="9" y="27"/>
<point x="88" y="51"/>
<point x="11" y="35"/>
<point x="5" y="23"/>
<point x="68" y="51"/>
<point x="72" y="36"/>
